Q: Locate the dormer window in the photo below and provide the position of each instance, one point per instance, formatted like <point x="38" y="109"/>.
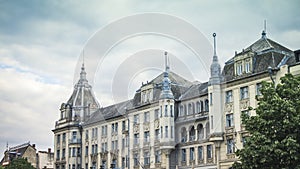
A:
<point x="247" y="66"/>
<point x="239" y="68"/>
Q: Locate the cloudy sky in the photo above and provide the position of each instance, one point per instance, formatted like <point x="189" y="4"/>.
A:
<point x="41" y="45"/>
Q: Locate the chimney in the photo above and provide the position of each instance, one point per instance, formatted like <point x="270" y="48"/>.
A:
<point x="33" y="145"/>
<point x="49" y="150"/>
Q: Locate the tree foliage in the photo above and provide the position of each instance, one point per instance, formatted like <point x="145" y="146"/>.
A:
<point x="19" y="163"/>
<point x="274" y="140"/>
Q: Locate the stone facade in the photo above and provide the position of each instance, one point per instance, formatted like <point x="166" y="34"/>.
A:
<point x="171" y="122"/>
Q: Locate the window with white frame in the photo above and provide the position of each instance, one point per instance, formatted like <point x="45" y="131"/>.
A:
<point x="157" y="135"/>
<point x="136" y="119"/>
<point x="136" y="138"/>
<point x="166" y="110"/>
<point x="146" y="116"/>
<point x="166" y="131"/>
<point x="192" y="150"/>
<point x="258" y="89"/>
<point x="229" y="120"/>
<point x="229" y="96"/>
<point x="157" y="156"/>
<point x="244" y="92"/>
<point x="146" y="136"/>
<point x="239" y="68"/>
<point x="247" y="66"/>
<point x="156" y="114"/>
<point x="198" y="107"/>
<point x="147" y="158"/>
<point x="114" y="127"/>
<point x="183" y="155"/>
<point x="230" y="146"/>
<point x="104" y="130"/>
<point x="171" y="111"/>
<point x="209" y="151"/>
<point x="200" y="153"/>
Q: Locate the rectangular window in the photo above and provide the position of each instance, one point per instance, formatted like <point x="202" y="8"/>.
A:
<point x="157" y="135"/>
<point x="146" y="158"/>
<point x="146" y="117"/>
<point x="244" y="92"/>
<point x="86" y="150"/>
<point x="135" y="159"/>
<point x="161" y="132"/>
<point x="239" y="68"/>
<point x="172" y="130"/>
<point x="210" y="98"/>
<point x="58" y="139"/>
<point x="200" y="153"/>
<point x="74" y="136"/>
<point x="192" y="153"/>
<point x="78" y="152"/>
<point x="57" y="154"/>
<point x="136" y="119"/>
<point x="136" y="138"/>
<point x="228" y="96"/>
<point x="123" y="125"/>
<point x="146" y="136"/>
<point x="258" y="89"/>
<point x="63" y="153"/>
<point x="156" y="113"/>
<point x="166" y="131"/>
<point x="247" y="66"/>
<point x="171" y="111"/>
<point x="104" y="130"/>
<point x="166" y="110"/>
<point x="183" y="155"/>
<point x="157" y="156"/>
<point x="86" y="134"/>
<point x="229" y="120"/>
<point x="73" y="152"/>
<point x="209" y="151"/>
<point x="230" y="146"/>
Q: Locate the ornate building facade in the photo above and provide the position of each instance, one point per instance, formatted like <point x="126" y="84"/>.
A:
<point x="171" y="122"/>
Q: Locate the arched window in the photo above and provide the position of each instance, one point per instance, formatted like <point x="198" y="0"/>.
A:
<point x="198" y="110"/>
<point x="206" y="105"/>
<point x="192" y="134"/>
<point x="183" y="135"/>
<point x="200" y="131"/>
<point x="207" y="129"/>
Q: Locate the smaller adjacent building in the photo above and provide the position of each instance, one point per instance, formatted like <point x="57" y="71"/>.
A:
<point x="39" y="160"/>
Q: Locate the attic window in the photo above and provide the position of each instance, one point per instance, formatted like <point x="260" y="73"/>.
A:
<point x="247" y="66"/>
<point x="239" y="68"/>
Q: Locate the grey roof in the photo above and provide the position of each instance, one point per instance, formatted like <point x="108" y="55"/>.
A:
<point x="196" y="90"/>
<point x="106" y="113"/>
<point x="266" y="52"/>
<point x="179" y="85"/>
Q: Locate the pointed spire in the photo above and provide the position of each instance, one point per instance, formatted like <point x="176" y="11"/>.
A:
<point x="166" y="92"/>
<point x="83" y="73"/>
<point x="264" y="32"/>
<point x="215" y="68"/>
<point x="215" y="46"/>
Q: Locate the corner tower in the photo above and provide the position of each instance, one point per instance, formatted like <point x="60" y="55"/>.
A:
<point x="68" y="129"/>
<point x="215" y="98"/>
<point x="167" y="124"/>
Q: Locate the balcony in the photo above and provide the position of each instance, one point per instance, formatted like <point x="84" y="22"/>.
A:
<point x="75" y="141"/>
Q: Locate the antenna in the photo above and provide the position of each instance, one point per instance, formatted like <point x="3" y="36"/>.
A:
<point x="82" y="57"/>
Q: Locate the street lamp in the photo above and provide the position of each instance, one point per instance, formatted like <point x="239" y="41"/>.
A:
<point x="270" y="71"/>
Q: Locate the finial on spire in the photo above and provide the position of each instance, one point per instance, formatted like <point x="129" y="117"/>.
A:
<point x="215" y="52"/>
<point x="264" y="32"/>
<point x="167" y="66"/>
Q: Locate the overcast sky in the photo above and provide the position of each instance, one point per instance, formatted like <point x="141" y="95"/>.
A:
<point x="41" y="46"/>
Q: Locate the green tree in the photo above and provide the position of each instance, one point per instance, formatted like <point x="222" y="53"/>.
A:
<point x="19" y="163"/>
<point x="274" y="140"/>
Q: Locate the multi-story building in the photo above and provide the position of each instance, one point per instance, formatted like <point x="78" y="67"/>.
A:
<point x="171" y="122"/>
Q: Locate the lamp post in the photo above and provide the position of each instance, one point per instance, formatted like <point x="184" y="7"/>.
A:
<point x="270" y="71"/>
